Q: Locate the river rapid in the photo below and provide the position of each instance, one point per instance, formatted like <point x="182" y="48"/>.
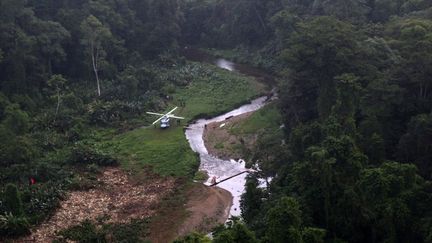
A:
<point x="214" y="166"/>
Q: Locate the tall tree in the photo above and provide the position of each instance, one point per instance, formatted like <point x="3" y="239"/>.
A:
<point x="50" y="37"/>
<point x="163" y="26"/>
<point x="251" y="200"/>
<point x="353" y="10"/>
<point x="415" y="146"/>
<point x="234" y="232"/>
<point x="284" y="222"/>
<point x="392" y="200"/>
<point x="96" y="36"/>
<point x="57" y="83"/>
<point x="320" y="50"/>
<point x="412" y="38"/>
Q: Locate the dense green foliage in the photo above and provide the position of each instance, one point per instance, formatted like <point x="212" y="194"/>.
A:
<point x="168" y="152"/>
<point x="70" y="72"/>
<point x="135" y="231"/>
<point x="13" y="222"/>
<point x="193" y="238"/>
<point x="356" y="95"/>
<point x="355" y="163"/>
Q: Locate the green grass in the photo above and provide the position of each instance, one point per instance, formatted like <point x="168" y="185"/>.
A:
<point x="260" y="126"/>
<point x="248" y="56"/>
<point x="201" y="176"/>
<point x="219" y="146"/>
<point x="216" y="91"/>
<point x="212" y="91"/>
<point x="267" y="118"/>
<point x="167" y="152"/>
<point x="247" y="134"/>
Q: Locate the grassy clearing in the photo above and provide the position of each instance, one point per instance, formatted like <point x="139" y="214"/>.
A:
<point x="262" y="127"/>
<point x="166" y="151"/>
<point x="211" y="91"/>
<point x="216" y="91"/>
<point x="255" y="58"/>
<point x="241" y="136"/>
<point x="267" y="119"/>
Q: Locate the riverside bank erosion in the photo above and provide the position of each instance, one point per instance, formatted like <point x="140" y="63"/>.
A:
<point x="215" y="167"/>
<point x="222" y="168"/>
<point x="222" y="144"/>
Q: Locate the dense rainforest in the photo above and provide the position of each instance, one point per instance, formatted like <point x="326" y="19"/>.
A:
<point x="354" y="80"/>
<point x="356" y="98"/>
<point x="69" y="70"/>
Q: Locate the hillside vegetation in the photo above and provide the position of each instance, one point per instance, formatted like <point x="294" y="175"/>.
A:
<point x="76" y="78"/>
<point x="244" y="135"/>
<point x="210" y="92"/>
<point x="355" y="98"/>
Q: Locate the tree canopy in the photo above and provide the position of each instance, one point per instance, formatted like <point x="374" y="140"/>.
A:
<point x="355" y="93"/>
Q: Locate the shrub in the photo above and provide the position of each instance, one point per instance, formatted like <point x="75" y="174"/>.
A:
<point x="93" y="168"/>
<point x="41" y="199"/>
<point x="130" y="233"/>
<point x="76" y="132"/>
<point x="105" y="113"/>
<point x="193" y="238"/>
<point x="87" y="231"/>
<point x="50" y="169"/>
<point x="12" y="200"/>
<point x="85" y="154"/>
<point x="12" y="226"/>
<point x="13" y="222"/>
<point x="84" y="232"/>
<point x="79" y="183"/>
<point x="16" y="149"/>
<point x="16" y="120"/>
<point x="201" y="176"/>
<point x="12" y="173"/>
<point x="73" y="102"/>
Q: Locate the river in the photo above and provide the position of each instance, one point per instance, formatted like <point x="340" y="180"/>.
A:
<point x="214" y="166"/>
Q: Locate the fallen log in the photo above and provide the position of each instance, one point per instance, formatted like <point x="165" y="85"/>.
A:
<point x="214" y="184"/>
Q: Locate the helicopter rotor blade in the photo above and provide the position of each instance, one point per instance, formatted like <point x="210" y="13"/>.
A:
<point x="154" y="113"/>
<point x="169" y="113"/>
<point x="176" y="117"/>
<point x="160" y="118"/>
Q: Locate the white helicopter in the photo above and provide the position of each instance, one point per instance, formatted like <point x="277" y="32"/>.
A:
<point x="165" y="118"/>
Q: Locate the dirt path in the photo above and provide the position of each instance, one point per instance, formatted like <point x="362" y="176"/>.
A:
<point x="117" y="196"/>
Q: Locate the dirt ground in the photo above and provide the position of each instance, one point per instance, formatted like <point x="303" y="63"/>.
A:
<point x="123" y="197"/>
<point x="117" y="196"/>
<point x="208" y="207"/>
<point x="204" y="208"/>
<point x="220" y="143"/>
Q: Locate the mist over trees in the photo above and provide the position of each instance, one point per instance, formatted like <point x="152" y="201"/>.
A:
<point x="355" y="88"/>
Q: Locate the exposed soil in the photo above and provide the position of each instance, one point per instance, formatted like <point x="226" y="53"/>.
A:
<point x="117" y="196"/>
<point x="208" y="207"/>
<point x="203" y="209"/>
<point x="122" y="197"/>
<point x="222" y="144"/>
